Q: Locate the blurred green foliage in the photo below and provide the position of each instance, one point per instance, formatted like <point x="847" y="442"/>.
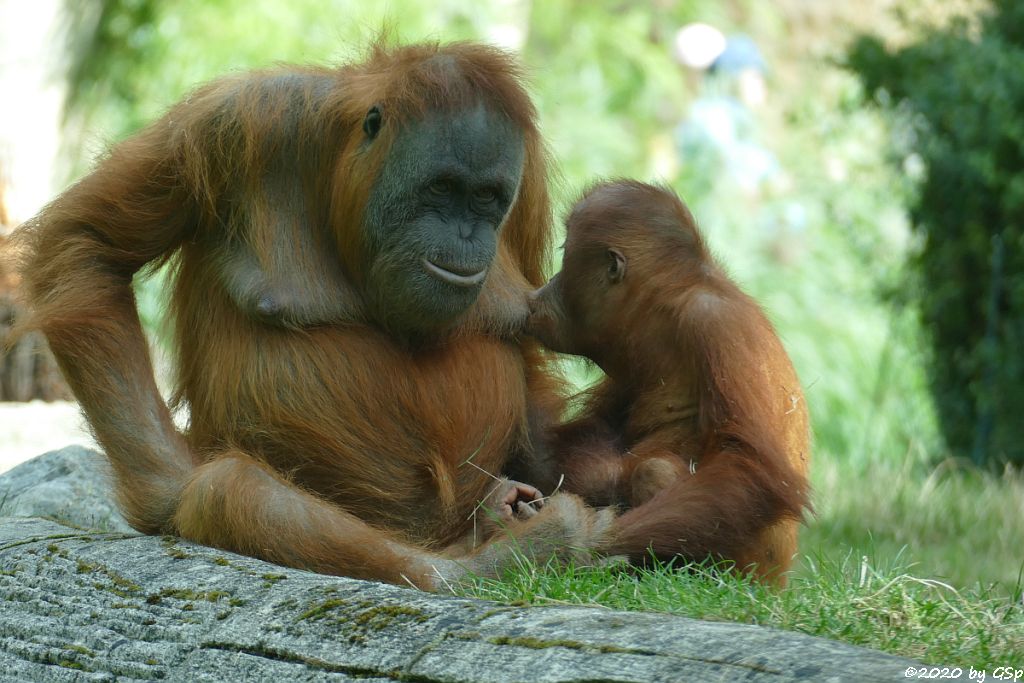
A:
<point x="818" y="243"/>
<point x="958" y="99"/>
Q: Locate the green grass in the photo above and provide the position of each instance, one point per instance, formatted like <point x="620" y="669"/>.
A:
<point x="925" y="566"/>
<point x="952" y="522"/>
<point x="850" y="599"/>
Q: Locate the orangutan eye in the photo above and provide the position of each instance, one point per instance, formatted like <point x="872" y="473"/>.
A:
<point x="372" y="122"/>
<point x="441" y="188"/>
<point x="485" y="196"/>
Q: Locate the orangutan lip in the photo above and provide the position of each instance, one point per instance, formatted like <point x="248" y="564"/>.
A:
<point x="457" y="279"/>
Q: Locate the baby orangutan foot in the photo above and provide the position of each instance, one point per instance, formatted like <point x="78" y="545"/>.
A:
<point x="651" y="476"/>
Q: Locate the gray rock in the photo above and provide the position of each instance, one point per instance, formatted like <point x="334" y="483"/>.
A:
<point x="71" y="485"/>
<point x="105" y="606"/>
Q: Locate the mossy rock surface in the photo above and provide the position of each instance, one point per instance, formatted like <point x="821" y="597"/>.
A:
<point x="79" y="604"/>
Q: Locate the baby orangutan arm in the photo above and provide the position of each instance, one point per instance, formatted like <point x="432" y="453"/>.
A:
<point x="590" y="460"/>
<point x="596" y="467"/>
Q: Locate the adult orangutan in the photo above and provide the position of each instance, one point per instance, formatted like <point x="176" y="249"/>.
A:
<point x="700" y="427"/>
<point x="352" y="250"/>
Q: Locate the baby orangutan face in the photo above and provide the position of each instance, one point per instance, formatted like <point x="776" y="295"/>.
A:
<point x="569" y="318"/>
<point x="630" y="249"/>
<point x="578" y="307"/>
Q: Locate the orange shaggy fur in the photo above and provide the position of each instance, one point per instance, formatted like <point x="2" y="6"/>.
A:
<point x="700" y="427"/>
<point x="322" y="442"/>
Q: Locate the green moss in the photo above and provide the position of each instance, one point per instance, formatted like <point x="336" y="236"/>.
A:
<point x="287" y="603"/>
<point x="312" y="663"/>
<point x="119" y="585"/>
<point x="356" y="620"/>
<point x="80" y="649"/>
<point x="270" y="579"/>
<point x="53" y="550"/>
<point x="113" y="590"/>
<point x="610" y="649"/>
<point x="170" y="544"/>
<point x="318" y="611"/>
<point x="382" y="616"/>
<point x="537" y="643"/>
<point x="121" y="581"/>
<point x="187" y="594"/>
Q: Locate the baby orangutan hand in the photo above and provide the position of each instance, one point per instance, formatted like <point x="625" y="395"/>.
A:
<point x="511" y="501"/>
<point x="507" y="504"/>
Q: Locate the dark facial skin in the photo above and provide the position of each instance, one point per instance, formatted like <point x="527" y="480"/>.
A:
<point x="574" y="319"/>
<point x="434" y="216"/>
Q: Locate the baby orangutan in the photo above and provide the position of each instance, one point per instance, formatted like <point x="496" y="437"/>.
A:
<point x="699" y="429"/>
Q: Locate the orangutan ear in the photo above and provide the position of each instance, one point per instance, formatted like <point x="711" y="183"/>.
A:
<point x="616" y="266"/>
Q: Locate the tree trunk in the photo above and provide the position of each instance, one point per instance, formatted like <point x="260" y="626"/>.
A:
<point x="82" y="605"/>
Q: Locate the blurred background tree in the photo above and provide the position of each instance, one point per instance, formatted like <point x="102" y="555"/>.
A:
<point x="958" y="96"/>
